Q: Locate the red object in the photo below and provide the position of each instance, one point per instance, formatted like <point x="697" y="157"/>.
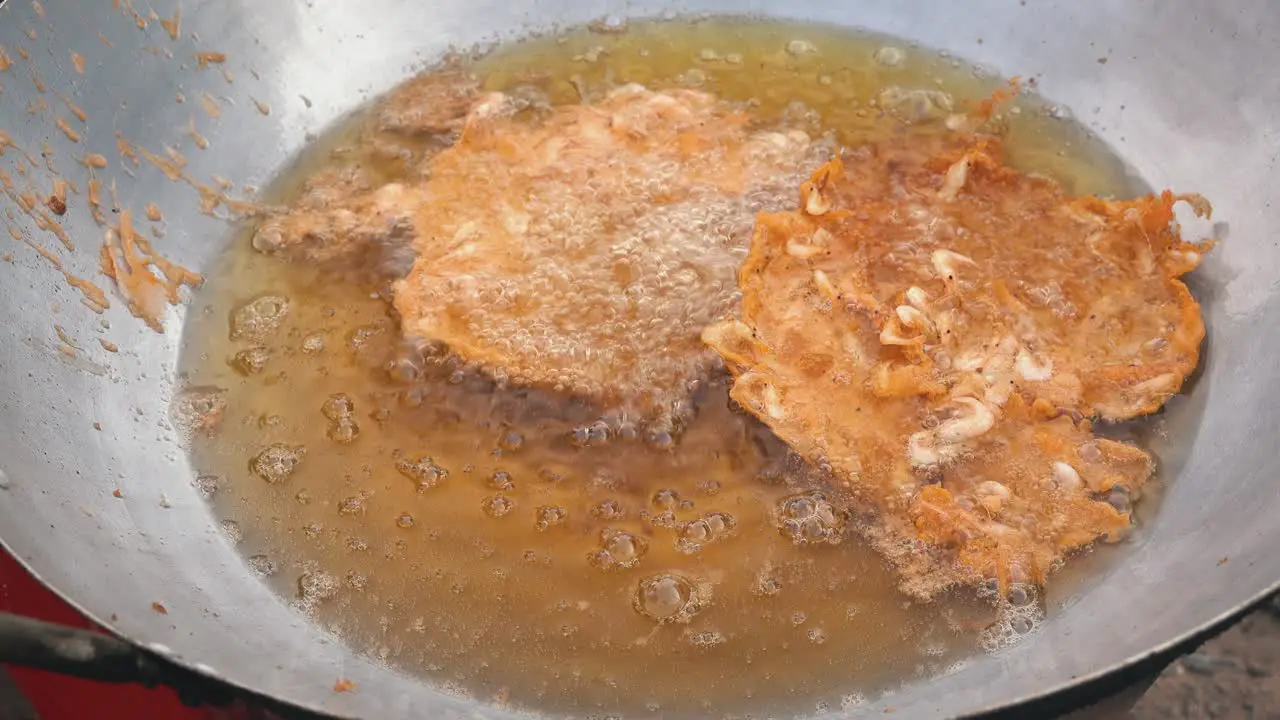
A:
<point x="56" y="697"/>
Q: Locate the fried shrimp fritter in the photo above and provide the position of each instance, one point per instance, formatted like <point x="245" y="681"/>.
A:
<point x="346" y="218"/>
<point x="586" y="250"/>
<point x="580" y="248"/>
<point x="938" y="328"/>
<point x="342" y="220"/>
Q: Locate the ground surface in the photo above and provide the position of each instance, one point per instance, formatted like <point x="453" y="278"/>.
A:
<point x="1235" y="676"/>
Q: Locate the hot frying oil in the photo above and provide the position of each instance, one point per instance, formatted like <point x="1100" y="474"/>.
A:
<point x="482" y="537"/>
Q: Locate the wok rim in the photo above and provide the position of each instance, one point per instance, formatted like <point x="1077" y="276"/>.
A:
<point x="1058" y="694"/>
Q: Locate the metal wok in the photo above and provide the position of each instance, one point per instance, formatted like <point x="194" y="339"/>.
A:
<point x="1187" y="95"/>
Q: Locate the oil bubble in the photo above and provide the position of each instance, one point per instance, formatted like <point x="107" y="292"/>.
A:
<point x="890" y="56"/>
<point x="618" y="550"/>
<point x="199" y="409"/>
<point x="352" y="506"/>
<point x="707" y="529"/>
<point x="424" y="472"/>
<point x="666" y="499"/>
<point x="549" y="516"/>
<point x="660" y="439"/>
<point x="404" y="370"/>
<point x="232" y="530"/>
<point x="360" y="338"/>
<point x="207" y="485"/>
<point x="501" y="480"/>
<point x="915" y="105"/>
<point x="706" y="638"/>
<point x="498" y="506"/>
<point x="1021" y="595"/>
<point x="344" y="431"/>
<point x="593" y="435"/>
<point x="627" y="432"/>
<point x="667" y="598"/>
<point x="341" y="411"/>
<point x="801" y="47"/>
<point x="1089" y="452"/>
<point x="696" y="532"/>
<point x="607" y="510"/>
<point x="1118" y="498"/>
<point x="719" y="523"/>
<point x="609" y="25"/>
<point x="851" y="701"/>
<point x="257" y="320"/>
<point x="315" y="588"/>
<point x="338" y="406"/>
<point x="665" y="519"/>
<point x="276" y="462"/>
<point x="511" y="441"/>
<point x="765" y="586"/>
<point x="708" y="487"/>
<point x="262" y="565"/>
<point x="252" y="361"/>
<point x="810" y="518"/>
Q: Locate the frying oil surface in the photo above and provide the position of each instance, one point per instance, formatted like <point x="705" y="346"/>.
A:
<point x="485" y="538"/>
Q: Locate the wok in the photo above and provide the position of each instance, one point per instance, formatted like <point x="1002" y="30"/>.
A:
<point x="1183" y="90"/>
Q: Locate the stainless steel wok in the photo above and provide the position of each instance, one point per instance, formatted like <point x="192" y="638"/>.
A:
<point x="1187" y="94"/>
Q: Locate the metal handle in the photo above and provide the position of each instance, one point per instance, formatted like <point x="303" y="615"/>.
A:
<point x="105" y="658"/>
<point x="81" y="653"/>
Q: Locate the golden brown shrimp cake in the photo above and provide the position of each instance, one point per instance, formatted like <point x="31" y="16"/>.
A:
<point x="584" y="251"/>
<point x="431" y="103"/>
<point x="345" y="218"/>
<point x="1028" y="492"/>
<point x="581" y="248"/>
<point x="342" y="221"/>
<point x="935" y="327"/>
<point x="1087" y="289"/>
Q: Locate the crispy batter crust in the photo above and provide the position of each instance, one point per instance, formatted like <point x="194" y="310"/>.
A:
<point x="586" y="251"/>
<point x="937" y="328"/>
